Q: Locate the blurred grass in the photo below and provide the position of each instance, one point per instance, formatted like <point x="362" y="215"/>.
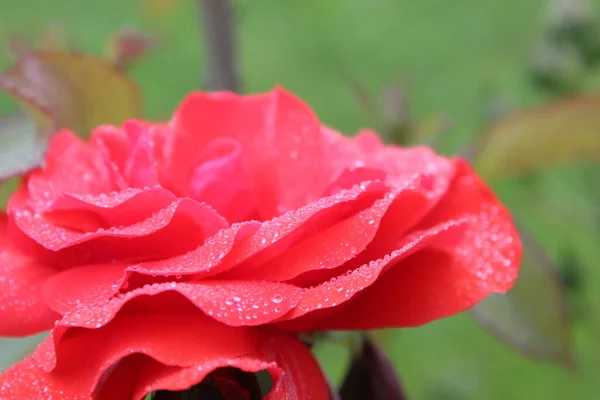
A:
<point x="454" y="54"/>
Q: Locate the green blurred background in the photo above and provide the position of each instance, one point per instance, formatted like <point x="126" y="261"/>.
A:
<point x="460" y="58"/>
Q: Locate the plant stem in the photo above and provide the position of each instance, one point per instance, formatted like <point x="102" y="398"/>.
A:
<point x="218" y="30"/>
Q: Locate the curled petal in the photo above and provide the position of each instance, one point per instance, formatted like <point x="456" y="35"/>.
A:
<point x="478" y="254"/>
<point x="220" y="179"/>
<point x="243" y="249"/>
<point x="141" y="167"/>
<point x="87" y="285"/>
<point x="232" y="303"/>
<point x="203" y="261"/>
<point x="98" y="283"/>
<point x="491" y="249"/>
<point x="115" y="209"/>
<point x="376" y="231"/>
<point x="274" y="129"/>
<point x="71" y="166"/>
<point x="22" y="309"/>
<point x="335" y="303"/>
<point x="275" y="236"/>
<point x="150" y="238"/>
<point x="138" y="356"/>
<point x="115" y="145"/>
<point x="365" y="150"/>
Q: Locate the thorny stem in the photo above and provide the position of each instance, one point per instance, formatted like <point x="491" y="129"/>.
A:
<point x="218" y="30"/>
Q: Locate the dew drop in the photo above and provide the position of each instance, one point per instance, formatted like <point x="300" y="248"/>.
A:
<point x="276" y="299"/>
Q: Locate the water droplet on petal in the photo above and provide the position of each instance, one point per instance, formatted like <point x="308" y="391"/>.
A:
<point x="276" y="299"/>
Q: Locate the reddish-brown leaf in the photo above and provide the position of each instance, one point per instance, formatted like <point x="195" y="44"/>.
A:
<point x="562" y="132"/>
<point x="59" y="90"/>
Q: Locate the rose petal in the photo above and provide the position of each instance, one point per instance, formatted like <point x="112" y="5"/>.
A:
<point x="337" y="297"/>
<point x="204" y="261"/>
<point x="220" y="179"/>
<point x="151" y="238"/>
<point x="365" y="150"/>
<point x="95" y="284"/>
<point x="141" y="167"/>
<point x="275" y="236"/>
<point x="492" y="248"/>
<point x="83" y="286"/>
<point x="22" y="310"/>
<point x="231" y="254"/>
<point x="411" y="203"/>
<point x="233" y="303"/>
<point x="386" y="221"/>
<point x="295" y="372"/>
<point x="353" y="176"/>
<point x="376" y="233"/>
<point x="153" y="376"/>
<point x="449" y="277"/>
<point x="138" y="355"/>
<point x="115" y="145"/>
<point x="71" y="166"/>
<point x="329" y="248"/>
<point x="114" y="209"/>
<point x="274" y="129"/>
<point x="302" y="378"/>
<point x="190" y="339"/>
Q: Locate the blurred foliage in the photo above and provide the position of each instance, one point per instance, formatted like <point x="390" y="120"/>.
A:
<point x="371" y="375"/>
<point x="59" y="90"/>
<point x="531" y="140"/>
<point x="534" y="316"/>
<point x="518" y="55"/>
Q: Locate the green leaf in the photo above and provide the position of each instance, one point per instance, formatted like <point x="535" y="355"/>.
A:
<point x="533" y="317"/>
<point x="20" y="145"/>
<point x="524" y="142"/>
<point x="59" y="90"/>
<point x="15" y="349"/>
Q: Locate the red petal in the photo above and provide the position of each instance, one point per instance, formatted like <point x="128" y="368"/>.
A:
<point x="365" y="150"/>
<point x="275" y="236"/>
<point x="233" y="303"/>
<point x="295" y="372"/>
<point x="302" y="378"/>
<point x="153" y="376"/>
<point x="95" y="284"/>
<point x="114" y="143"/>
<point x="115" y="209"/>
<point x="243" y="250"/>
<point x="376" y="231"/>
<point x="26" y="381"/>
<point x="204" y="261"/>
<point x="180" y="351"/>
<point x="22" y="310"/>
<point x="172" y="339"/>
<point x="158" y="236"/>
<point x="451" y="276"/>
<point x="411" y="203"/>
<point x="274" y="129"/>
<point x="84" y="286"/>
<point x="220" y="179"/>
<point x="491" y="250"/>
<point x="329" y="248"/>
<point x="332" y="304"/>
<point x="141" y="168"/>
<point x="71" y="166"/>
